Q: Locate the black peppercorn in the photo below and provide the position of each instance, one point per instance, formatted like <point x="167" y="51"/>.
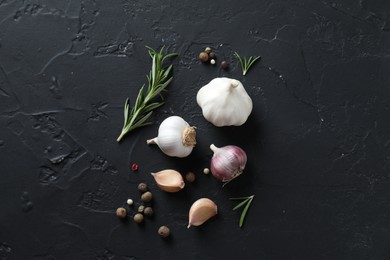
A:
<point x="138" y="218"/>
<point x="121" y="212"/>
<point x="212" y="55"/>
<point x="190" y="177"/>
<point x="142" y="187"/>
<point x="164" y="231"/>
<point x="203" y="56"/>
<point x="148" y="211"/>
<point x="224" y="65"/>
<point x="146" y="197"/>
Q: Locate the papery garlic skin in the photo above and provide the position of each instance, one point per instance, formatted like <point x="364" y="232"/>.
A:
<point x="201" y="210"/>
<point x="228" y="162"/>
<point x="224" y="102"/>
<point x="169" y="180"/>
<point x="175" y="138"/>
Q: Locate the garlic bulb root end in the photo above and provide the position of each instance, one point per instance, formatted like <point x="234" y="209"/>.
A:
<point x="189" y="136"/>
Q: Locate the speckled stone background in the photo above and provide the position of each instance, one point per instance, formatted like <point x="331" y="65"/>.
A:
<point x="318" y="139"/>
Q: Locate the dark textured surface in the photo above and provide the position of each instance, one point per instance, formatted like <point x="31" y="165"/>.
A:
<point x="317" y="140"/>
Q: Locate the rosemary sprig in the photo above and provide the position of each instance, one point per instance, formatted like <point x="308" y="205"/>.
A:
<point x="245" y="201"/>
<point x="246" y="64"/>
<point x="158" y="80"/>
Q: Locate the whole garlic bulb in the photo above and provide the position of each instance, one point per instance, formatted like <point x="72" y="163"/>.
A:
<point x="224" y="102"/>
<point x="175" y="138"/>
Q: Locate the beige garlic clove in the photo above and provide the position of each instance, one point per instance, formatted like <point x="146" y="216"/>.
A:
<point x="202" y="210"/>
<point x="169" y="180"/>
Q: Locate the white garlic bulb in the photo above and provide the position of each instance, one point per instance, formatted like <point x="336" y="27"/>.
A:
<point x="224" y="102"/>
<point x="175" y="138"/>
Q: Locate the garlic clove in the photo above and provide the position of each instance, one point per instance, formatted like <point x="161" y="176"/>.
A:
<point x="169" y="180"/>
<point x="200" y="211"/>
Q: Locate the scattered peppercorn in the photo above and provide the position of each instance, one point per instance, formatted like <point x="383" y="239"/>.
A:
<point x="212" y="61"/>
<point x="134" y="167"/>
<point x="142" y="187"/>
<point x="164" y="231"/>
<point x="212" y="55"/>
<point x="138" y="218"/>
<point x="148" y="211"/>
<point x="130" y="202"/>
<point x="146" y="197"/>
<point x="121" y="212"/>
<point x="190" y="177"/>
<point x="203" y="56"/>
<point x="206" y="171"/>
<point x="141" y="208"/>
<point x="207" y="50"/>
<point x="224" y="65"/>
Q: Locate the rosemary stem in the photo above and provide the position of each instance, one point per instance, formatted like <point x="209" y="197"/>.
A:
<point x="158" y="80"/>
<point x="121" y="136"/>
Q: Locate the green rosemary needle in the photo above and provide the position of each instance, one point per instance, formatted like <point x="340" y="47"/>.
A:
<point x="158" y="80"/>
<point x="246" y="64"/>
<point x="245" y="201"/>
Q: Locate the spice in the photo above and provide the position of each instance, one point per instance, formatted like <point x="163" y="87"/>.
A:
<point x="134" y="167"/>
<point x="206" y="170"/>
<point x="224" y="65"/>
<point x="121" y="212"/>
<point x="212" y="61"/>
<point x="148" y="211"/>
<point x="207" y="50"/>
<point x="212" y="55"/>
<point x="142" y="187"/>
<point x="146" y="197"/>
<point x="203" y="56"/>
<point x="164" y="231"/>
<point x="138" y="218"/>
<point x="130" y="202"/>
<point x="141" y="209"/>
<point x="190" y="177"/>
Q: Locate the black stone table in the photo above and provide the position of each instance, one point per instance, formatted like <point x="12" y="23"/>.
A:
<point x="318" y="138"/>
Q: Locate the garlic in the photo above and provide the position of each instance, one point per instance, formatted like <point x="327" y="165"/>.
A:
<point x="169" y="180"/>
<point x="175" y="138"/>
<point x="200" y="211"/>
<point x="224" y="102"/>
<point x="227" y="162"/>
